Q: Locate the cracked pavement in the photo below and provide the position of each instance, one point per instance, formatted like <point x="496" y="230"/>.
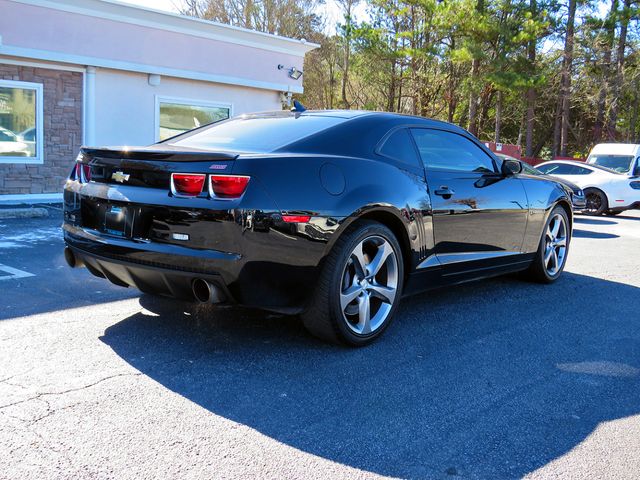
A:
<point x="498" y="379"/>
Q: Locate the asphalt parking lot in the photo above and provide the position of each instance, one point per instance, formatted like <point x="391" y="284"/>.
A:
<point x="499" y="379"/>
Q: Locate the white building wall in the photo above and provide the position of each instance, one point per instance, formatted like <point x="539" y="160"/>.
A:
<point x="125" y="104"/>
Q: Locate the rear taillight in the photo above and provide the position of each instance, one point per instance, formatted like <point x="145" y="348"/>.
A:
<point x="227" y="186"/>
<point x="187" y="184"/>
<point x="83" y="172"/>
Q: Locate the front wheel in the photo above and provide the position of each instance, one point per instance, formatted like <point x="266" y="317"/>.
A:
<point x="597" y="203"/>
<point x="359" y="288"/>
<point x="551" y="256"/>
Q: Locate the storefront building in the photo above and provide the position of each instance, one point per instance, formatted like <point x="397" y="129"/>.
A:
<point x="96" y="72"/>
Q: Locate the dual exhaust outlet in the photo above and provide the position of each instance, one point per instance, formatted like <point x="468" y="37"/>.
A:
<point x="206" y="292"/>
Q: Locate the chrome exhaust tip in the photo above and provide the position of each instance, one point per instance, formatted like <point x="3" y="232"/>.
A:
<point x="71" y="259"/>
<point x="206" y="292"/>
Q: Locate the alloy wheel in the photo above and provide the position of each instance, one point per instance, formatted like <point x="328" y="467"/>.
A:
<point x="594" y="202"/>
<point x="369" y="285"/>
<point x="555" y="250"/>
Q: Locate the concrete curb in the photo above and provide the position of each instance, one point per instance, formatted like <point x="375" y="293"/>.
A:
<point x="6" y="213"/>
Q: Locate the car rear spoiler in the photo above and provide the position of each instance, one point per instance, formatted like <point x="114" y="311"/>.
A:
<point x="165" y="153"/>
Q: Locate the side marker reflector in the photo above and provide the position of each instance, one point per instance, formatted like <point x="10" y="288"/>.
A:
<point x="296" y="218"/>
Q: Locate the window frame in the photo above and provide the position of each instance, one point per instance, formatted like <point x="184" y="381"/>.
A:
<point x="477" y="143"/>
<point x="189" y="102"/>
<point x="39" y="126"/>
<point x="379" y="146"/>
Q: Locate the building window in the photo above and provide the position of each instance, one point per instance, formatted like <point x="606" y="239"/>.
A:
<point x="175" y="116"/>
<point x="21" y="111"/>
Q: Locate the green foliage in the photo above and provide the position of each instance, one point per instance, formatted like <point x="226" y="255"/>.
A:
<point x="439" y="58"/>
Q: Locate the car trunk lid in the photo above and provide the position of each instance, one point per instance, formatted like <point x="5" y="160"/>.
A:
<point x="151" y="166"/>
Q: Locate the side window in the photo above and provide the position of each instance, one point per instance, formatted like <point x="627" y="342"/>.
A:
<point x="441" y="150"/>
<point x="581" y="171"/>
<point x="399" y="146"/>
<point x="555" y="169"/>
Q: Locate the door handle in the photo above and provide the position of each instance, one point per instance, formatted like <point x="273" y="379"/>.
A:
<point x="444" y="191"/>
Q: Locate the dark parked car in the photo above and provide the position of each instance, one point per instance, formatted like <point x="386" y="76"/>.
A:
<point x="331" y="214"/>
<point x="578" y="199"/>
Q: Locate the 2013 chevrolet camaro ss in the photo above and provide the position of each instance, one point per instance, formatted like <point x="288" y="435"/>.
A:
<point x="334" y="215"/>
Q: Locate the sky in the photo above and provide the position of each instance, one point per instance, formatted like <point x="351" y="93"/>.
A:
<point x="331" y="10"/>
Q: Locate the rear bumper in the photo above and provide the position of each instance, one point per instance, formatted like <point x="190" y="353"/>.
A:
<point x="169" y="270"/>
<point x="146" y="278"/>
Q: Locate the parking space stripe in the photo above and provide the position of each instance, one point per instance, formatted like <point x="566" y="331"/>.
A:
<point x="13" y="273"/>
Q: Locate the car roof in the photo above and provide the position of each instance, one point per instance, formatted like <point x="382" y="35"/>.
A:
<point x="350" y="114"/>
<point x="616" y="149"/>
<point x="568" y="162"/>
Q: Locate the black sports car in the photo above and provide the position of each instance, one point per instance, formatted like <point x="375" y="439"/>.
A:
<point x="331" y="214"/>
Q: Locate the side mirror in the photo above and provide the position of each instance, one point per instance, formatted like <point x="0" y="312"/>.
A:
<point x="636" y="171"/>
<point x="511" y="167"/>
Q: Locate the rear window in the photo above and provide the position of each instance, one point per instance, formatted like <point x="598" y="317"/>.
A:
<point x="259" y="134"/>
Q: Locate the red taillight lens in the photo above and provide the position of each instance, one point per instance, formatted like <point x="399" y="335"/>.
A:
<point x="227" y="186"/>
<point x="187" y="184"/>
<point x="83" y="173"/>
<point x="296" y="218"/>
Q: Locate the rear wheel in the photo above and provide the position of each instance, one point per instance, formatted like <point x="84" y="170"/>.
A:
<point x="597" y="203"/>
<point x="359" y="288"/>
<point x="551" y="256"/>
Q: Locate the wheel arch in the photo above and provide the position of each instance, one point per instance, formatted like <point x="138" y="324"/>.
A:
<point x="390" y="218"/>
<point x="568" y="210"/>
<point x="593" y="187"/>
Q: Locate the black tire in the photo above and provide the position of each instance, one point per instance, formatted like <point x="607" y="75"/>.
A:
<point x="324" y="317"/>
<point x="539" y="271"/>
<point x="597" y="202"/>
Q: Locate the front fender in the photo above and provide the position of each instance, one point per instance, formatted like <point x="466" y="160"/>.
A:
<point x="543" y="196"/>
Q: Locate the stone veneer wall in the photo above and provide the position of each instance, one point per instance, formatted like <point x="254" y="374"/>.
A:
<point x="62" y="94"/>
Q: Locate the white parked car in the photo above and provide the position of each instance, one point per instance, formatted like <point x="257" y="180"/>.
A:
<point x="607" y="191"/>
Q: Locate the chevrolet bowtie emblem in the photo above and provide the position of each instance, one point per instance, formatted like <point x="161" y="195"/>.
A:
<point x="120" y="177"/>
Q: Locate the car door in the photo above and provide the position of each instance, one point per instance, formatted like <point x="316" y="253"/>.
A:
<point x="479" y="215"/>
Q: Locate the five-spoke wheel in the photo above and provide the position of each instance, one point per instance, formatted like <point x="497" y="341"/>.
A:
<point x="369" y="285"/>
<point x="555" y="244"/>
<point x="360" y="286"/>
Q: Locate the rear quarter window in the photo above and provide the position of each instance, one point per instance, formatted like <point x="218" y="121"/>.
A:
<point x="399" y="146"/>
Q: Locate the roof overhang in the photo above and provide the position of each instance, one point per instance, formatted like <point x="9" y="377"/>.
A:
<point x="126" y="13"/>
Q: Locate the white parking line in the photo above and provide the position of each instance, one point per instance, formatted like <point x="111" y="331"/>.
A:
<point x="13" y="273"/>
